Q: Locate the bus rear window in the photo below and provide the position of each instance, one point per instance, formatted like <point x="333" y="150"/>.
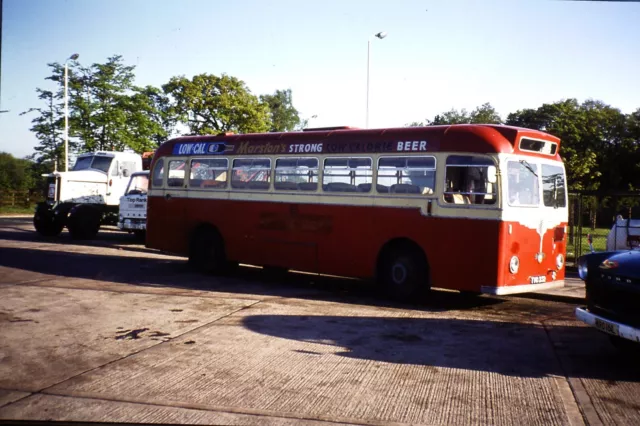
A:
<point x="158" y="174"/>
<point x="406" y="175"/>
<point x="251" y="173"/>
<point x="553" y="186"/>
<point x="347" y="175"/>
<point x="175" y="178"/>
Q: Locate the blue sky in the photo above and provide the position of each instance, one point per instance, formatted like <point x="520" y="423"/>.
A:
<point x="438" y="55"/>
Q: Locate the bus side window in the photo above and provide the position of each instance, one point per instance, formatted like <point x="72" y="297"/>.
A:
<point x="175" y="177"/>
<point x="406" y="175"/>
<point x="467" y="181"/>
<point x="251" y="173"/>
<point x="354" y="174"/>
<point x="209" y="173"/>
<point x="296" y="174"/>
<point x="158" y="174"/>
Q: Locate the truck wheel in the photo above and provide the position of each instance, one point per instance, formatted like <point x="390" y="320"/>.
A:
<point x="404" y="273"/>
<point x="206" y="251"/>
<point x="84" y="223"/>
<point x="46" y="223"/>
<point x="140" y="235"/>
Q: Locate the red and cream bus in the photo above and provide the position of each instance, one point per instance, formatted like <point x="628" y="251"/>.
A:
<point x="477" y="208"/>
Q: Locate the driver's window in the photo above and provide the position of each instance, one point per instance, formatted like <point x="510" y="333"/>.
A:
<point x="158" y="174"/>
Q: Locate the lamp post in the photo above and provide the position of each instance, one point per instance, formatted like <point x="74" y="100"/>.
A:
<point x="380" y="35"/>
<point x="66" y="111"/>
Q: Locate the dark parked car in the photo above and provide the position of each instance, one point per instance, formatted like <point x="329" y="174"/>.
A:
<point x="612" y="282"/>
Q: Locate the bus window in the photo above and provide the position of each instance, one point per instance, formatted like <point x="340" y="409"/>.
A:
<point x="468" y="180"/>
<point x="522" y="183"/>
<point x="251" y="173"/>
<point x="347" y="175"/>
<point x="406" y="175"/>
<point x="209" y="173"/>
<point x="175" y="177"/>
<point x="158" y="174"/>
<point x="553" y="186"/>
<point x="293" y="174"/>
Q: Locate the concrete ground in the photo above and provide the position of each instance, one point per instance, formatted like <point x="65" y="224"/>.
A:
<point x="108" y="330"/>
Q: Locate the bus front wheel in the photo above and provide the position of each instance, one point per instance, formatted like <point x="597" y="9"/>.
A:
<point x="206" y="251"/>
<point x="404" y="274"/>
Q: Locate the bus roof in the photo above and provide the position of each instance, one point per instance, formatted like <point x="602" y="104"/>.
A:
<point x="473" y="138"/>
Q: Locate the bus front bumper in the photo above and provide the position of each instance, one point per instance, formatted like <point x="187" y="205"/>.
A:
<point x="524" y="288"/>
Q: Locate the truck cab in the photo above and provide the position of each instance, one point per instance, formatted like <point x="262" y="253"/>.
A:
<point x="133" y="205"/>
<point x="88" y="195"/>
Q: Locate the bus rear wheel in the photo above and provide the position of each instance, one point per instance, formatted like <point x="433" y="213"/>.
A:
<point x="206" y="252"/>
<point x="404" y="274"/>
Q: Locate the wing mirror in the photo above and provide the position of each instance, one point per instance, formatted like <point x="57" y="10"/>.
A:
<point x="125" y="172"/>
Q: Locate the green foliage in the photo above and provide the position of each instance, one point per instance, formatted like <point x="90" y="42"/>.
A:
<point x="484" y="114"/>
<point x="16" y="174"/>
<point x="209" y="104"/>
<point x="284" y="117"/>
<point x="48" y="126"/>
<point x="106" y="111"/>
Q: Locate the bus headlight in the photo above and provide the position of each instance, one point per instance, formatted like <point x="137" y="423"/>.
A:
<point x="514" y="264"/>
<point x="560" y="261"/>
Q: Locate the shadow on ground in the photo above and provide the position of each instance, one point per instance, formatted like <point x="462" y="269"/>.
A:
<point x="509" y="348"/>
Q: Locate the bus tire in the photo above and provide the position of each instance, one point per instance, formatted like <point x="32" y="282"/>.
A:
<point x="84" y="222"/>
<point x="206" y="251"/>
<point x="404" y="273"/>
<point x="46" y="223"/>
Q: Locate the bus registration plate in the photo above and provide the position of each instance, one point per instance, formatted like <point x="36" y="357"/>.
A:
<point x="538" y="280"/>
<point x="607" y="327"/>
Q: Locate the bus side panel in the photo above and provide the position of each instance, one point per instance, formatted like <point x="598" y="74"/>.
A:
<point x="462" y="253"/>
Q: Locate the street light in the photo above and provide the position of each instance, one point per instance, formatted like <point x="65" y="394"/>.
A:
<point x="380" y="35"/>
<point x="66" y="111"/>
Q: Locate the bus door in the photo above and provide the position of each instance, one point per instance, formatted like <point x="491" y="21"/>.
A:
<point x="167" y="207"/>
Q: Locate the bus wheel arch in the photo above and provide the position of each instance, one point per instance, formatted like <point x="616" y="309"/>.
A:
<point x="402" y="270"/>
<point x="206" y="249"/>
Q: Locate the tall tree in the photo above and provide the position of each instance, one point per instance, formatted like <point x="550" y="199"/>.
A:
<point x="485" y="114"/>
<point x="107" y="111"/>
<point x="48" y="128"/>
<point x="209" y="104"/>
<point x="284" y="117"/>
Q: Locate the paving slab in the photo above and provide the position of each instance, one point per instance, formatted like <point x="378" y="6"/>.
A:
<point x="344" y="364"/>
<point x="9" y="396"/>
<point x="60" y="408"/>
<point x="50" y="334"/>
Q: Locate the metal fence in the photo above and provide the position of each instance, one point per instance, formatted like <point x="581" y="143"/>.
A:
<point x="593" y="213"/>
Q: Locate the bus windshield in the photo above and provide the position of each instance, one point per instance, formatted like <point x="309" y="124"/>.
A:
<point x="523" y="183"/>
<point x="95" y="162"/>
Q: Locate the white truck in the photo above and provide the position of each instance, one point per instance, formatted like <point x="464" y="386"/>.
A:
<point x="87" y="196"/>
<point x="133" y="205"/>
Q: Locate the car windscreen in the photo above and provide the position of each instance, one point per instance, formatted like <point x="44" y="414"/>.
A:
<point x="138" y="185"/>
<point x="96" y="162"/>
